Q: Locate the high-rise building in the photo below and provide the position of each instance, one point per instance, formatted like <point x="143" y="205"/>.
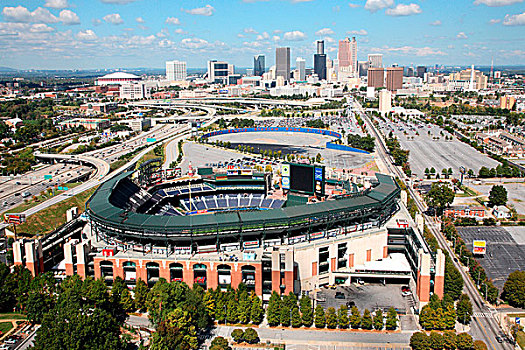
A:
<point x="470" y="79"/>
<point x="410" y="72"/>
<point x="258" y="65"/>
<point x="175" y="70"/>
<point x="320" y="47"/>
<point x="300" y="65"/>
<point x="375" y="60"/>
<point x="218" y="71"/>
<point x="394" y="78"/>
<point x="282" y="62"/>
<point x="320" y="61"/>
<point x="347" y="55"/>
<point x="376" y="77"/>
<point x="320" y="66"/>
<point x="385" y="101"/>
<point x="421" y="70"/>
<point x="362" y="68"/>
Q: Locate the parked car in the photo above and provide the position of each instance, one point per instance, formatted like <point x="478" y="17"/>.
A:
<point x="340" y="295"/>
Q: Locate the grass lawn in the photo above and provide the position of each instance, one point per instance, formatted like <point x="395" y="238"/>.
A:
<point x="39" y="199"/>
<point x="5" y="327"/>
<point x="12" y="316"/>
<point x="50" y="218"/>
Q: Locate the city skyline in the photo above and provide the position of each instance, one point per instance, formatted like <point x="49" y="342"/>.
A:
<point x="70" y="34"/>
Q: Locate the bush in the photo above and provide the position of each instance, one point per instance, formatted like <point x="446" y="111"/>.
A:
<point x="251" y="336"/>
<point x="238" y="335"/>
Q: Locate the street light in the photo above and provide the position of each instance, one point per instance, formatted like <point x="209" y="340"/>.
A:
<point x="225" y="316"/>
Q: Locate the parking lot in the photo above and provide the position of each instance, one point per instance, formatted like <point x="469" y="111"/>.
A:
<point x="505" y="250"/>
<point x="515" y="191"/>
<point x="428" y="152"/>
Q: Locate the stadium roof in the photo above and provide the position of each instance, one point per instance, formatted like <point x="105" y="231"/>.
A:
<point x="101" y="209"/>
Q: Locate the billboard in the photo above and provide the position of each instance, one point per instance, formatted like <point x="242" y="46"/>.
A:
<point x="15" y="218"/>
<point x="303" y="178"/>
<point x="479" y="247"/>
<point x="286" y="170"/>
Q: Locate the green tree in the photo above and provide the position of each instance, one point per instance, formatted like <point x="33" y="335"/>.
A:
<point x="251" y="336"/>
<point x="355" y="318"/>
<point x="436" y="341"/>
<point x="176" y="331"/>
<point x="245" y="307"/>
<point x="440" y="196"/>
<point x="273" y="311"/>
<point x="238" y="335"/>
<point x="286" y="315"/>
<point x="307" y="316"/>
<point x="331" y="318"/>
<point x="453" y="279"/>
<point x="378" y="320"/>
<point x="257" y="311"/>
<point x="449" y="340"/>
<point x="498" y="195"/>
<point x="391" y="319"/>
<point x="464" y="309"/>
<point x="342" y="317"/>
<point x="419" y="341"/>
<point x="319" y="318"/>
<point x="220" y="343"/>
<point x="366" y="320"/>
<point x="464" y="341"/>
<point x="480" y="345"/>
<point x="514" y="289"/>
<point x="296" y="318"/>
<point x="140" y="293"/>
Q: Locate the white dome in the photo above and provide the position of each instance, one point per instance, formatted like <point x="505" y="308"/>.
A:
<point x="120" y="75"/>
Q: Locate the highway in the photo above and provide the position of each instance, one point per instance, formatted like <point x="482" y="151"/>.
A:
<point x="484" y="325"/>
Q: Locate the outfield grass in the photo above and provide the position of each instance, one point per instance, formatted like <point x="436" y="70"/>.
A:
<point x="12" y="316"/>
<point x="31" y="202"/>
<point x="52" y="217"/>
<point x="5" y="327"/>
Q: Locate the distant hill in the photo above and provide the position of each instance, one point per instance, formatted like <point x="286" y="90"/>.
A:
<point x="7" y="69"/>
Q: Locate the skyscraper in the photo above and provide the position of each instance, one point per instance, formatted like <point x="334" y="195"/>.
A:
<point x="394" y="78"/>
<point x="175" y="70"/>
<point x="320" y="61"/>
<point x="258" y="65"/>
<point x="375" y="60"/>
<point x="300" y="65"/>
<point x="376" y="77"/>
<point x="421" y="70"/>
<point x="347" y="55"/>
<point x="218" y="71"/>
<point x="282" y="63"/>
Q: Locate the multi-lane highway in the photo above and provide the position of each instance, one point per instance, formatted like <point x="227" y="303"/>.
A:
<point x="484" y="325"/>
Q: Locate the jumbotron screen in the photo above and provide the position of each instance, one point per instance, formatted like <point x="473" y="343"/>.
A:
<point x="301" y="178"/>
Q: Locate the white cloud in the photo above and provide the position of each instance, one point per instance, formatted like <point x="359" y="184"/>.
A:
<point x="263" y="36"/>
<point x="461" y="35"/>
<point x="140" y="20"/>
<point x="410" y="50"/>
<point x="295" y="35"/>
<point x="56" y="4"/>
<point x="86" y="35"/>
<point x="352" y="5"/>
<point x="495" y="3"/>
<point x="113" y="18"/>
<point x="250" y="31"/>
<point x="41" y="28"/>
<point x="494" y="21"/>
<point x="96" y="21"/>
<point x="68" y="17"/>
<point x="180" y="31"/>
<point x="436" y="23"/>
<point x="172" y="20"/>
<point x="357" y="32"/>
<point x="194" y="43"/>
<point x="119" y="2"/>
<point x="404" y="10"/>
<point x="21" y="14"/>
<point x="514" y="20"/>
<point x="324" y="32"/>
<point x="276" y="38"/>
<point x="277" y="31"/>
<point x="201" y="11"/>
<point x="376" y="5"/>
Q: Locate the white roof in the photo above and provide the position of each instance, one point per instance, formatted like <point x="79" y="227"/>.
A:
<point x="120" y="75"/>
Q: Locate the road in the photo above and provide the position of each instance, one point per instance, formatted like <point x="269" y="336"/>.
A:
<point x="482" y="327"/>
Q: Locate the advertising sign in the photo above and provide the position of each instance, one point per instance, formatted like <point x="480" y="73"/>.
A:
<point x="286" y="183"/>
<point x="479" y="247"/>
<point x="286" y="170"/>
<point x="318" y="174"/>
<point x="15" y="218"/>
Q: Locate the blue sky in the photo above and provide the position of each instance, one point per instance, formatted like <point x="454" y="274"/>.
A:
<point x="87" y="34"/>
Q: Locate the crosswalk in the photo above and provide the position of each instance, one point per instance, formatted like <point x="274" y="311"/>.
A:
<point x="482" y="315"/>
